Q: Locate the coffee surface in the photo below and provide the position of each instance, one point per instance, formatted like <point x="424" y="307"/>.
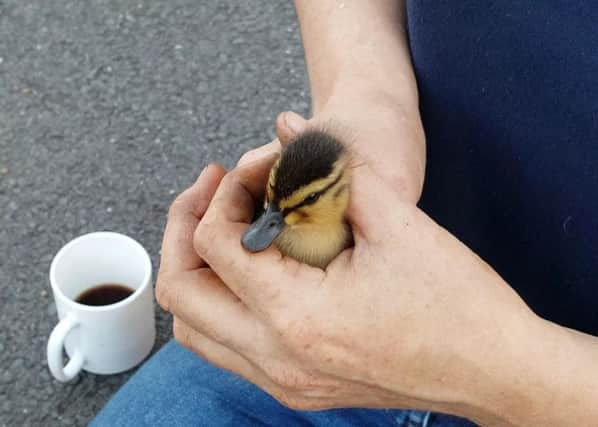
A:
<point x="104" y="294"/>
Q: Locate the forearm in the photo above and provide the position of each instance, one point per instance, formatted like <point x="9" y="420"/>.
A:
<point x="545" y="376"/>
<point x="354" y="45"/>
<point x="363" y="85"/>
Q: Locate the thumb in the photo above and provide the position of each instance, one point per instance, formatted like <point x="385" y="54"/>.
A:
<point x="288" y="126"/>
<point x="373" y="206"/>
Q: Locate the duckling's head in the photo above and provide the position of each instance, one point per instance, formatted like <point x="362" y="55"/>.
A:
<point x="306" y="196"/>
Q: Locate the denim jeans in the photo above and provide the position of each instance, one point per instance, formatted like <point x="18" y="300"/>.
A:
<point x="176" y="388"/>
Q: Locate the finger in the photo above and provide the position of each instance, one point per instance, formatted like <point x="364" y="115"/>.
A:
<point x="201" y="300"/>
<point x="245" y="186"/>
<point x="328" y="393"/>
<point x="222" y="357"/>
<point x="289" y="125"/>
<point x="255" y="278"/>
<point x="219" y="355"/>
<point x="183" y="216"/>
<point x="259" y="153"/>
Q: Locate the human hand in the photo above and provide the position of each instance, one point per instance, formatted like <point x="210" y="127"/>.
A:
<point x="409" y="317"/>
<point x="379" y="131"/>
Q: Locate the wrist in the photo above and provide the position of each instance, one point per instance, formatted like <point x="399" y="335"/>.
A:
<point x="360" y="93"/>
<point x="384" y="128"/>
<point x="508" y="386"/>
<point x="541" y="374"/>
<point x="486" y="367"/>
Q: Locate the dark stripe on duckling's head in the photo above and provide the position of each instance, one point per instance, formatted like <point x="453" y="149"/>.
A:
<point x="312" y="198"/>
<point x="309" y="158"/>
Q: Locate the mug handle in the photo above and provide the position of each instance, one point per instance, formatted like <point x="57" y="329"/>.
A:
<point x="54" y="350"/>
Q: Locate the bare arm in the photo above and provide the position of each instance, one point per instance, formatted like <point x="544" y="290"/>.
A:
<point x="362" y="79"/>
<point x="357" y="43"/>
<point x="543" y="375"/>
<point x="432" y="329"/>
<point x="358" y="50"/>
<point x="466" y="344"/>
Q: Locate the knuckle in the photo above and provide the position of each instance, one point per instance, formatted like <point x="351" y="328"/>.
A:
<point x="203" y="237"/>
<point x="181" y="334"/>
<point x="248" y="157"/>
<point x="290" y="401"/>
<point x="302" y="396"/>
<point x="232" y="179"/>
<point x="297" y="402"/>
<point x="162" y="291"/>
<point x="177" y="205"/>
<point x="168" y="294"/>
<point x="313" y="405"/>
<point x="288" y="377"/>
<point x="258" y="153"/>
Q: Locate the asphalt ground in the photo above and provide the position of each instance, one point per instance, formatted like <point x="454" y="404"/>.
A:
<point x="108" y="109"/>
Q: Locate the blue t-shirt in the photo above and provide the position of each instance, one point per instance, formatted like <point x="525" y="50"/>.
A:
<point x="509" y="101"/>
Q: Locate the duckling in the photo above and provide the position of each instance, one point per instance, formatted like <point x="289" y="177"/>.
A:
<point x="306" y="198"/>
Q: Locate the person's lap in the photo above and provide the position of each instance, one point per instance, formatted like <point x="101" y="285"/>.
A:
<point x="177" y="388"/>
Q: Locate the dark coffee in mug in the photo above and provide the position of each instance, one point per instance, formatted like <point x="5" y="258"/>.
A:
<point x="104" y="294"/>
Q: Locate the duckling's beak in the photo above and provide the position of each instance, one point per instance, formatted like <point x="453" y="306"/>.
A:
<point x="264" y="230"/>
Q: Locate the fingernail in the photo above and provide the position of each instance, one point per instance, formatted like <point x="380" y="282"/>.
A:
<point x="294" y="122"/>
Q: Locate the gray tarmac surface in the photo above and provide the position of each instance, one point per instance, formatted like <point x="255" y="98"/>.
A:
<point x="108" y="109"/>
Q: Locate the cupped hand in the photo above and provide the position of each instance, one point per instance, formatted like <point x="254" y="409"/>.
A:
<point x="382" y="131"/>
<point x="378" y="129"/>
<point x="406" y="318"/>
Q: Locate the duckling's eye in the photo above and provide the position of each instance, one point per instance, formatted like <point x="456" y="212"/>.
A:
<point x="312" y="198"/>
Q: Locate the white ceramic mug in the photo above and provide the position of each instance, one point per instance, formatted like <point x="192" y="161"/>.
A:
<point x="103" y="339"/>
